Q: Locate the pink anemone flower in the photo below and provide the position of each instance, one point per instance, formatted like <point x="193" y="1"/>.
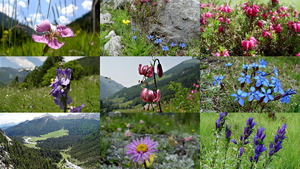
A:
<point x="141" y="149"/>
<point x="150" y="96"/>
<point x="49" y="36"/>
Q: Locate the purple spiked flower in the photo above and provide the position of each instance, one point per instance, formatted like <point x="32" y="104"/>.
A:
<point x="279" y="137"/>
<point x="258" y="143"/>
<point x="78" y="109"/>
<point x="249" y="128"/>
<point x="141" y="149"/>
<point x="228" y="133"/>
<point x="258" y="150"/>
<point x="241" y="151"/>
<point x="220" y="122"/>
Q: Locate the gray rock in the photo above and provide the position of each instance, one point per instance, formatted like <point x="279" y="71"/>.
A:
<point x="105" y="18"/>
<point x="121" y="3"/>
<point x="113" y="46"/>
<point x="178" y="21"/>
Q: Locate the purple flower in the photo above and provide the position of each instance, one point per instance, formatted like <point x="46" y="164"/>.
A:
<point x="78" y="109"/>
<point x="165" y="48"/>
<point x="182" y="45"/>
<point x="253" y="94"/>
<point x="150" y="37"/>
<point x="241" y="151"/>
<point x="254" y="65"/>
<point x="133" y="30"/>
<point x="249" y="128"/>
<point x="134" y="37"/>
<point x="275" y="71"/>
<point x="258" y="143"/>
<point x="49" y="36"/>
<point x="246" y="67"/>
<point x="228" y="133"/>
<point x="157" y="41"/>
<point x="233" y="140"/>
<point x="141" y="149"/>
<point x="173" y="44"/>
<point x="220" y="122"/>
<point x="258" y="150"/>
<point x="279" y="137"/>
<point x="60" y="100"/>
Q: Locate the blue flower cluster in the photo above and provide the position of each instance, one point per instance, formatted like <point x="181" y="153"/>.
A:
<point x="263" y="88"/>
<point x="165" y="48"/>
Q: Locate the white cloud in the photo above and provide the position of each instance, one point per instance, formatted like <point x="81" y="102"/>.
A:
<point x="22" y="62"/>
<point x="42" y="59"/>
<point x="48" y="1"/>
<point x="63" y="20"/>
<point x="87" y="5"/>
<point x="7" y="9"/>
<point x="22" y="4"/>
<point x="67" y="59"/>
<point x="69" y="10"/>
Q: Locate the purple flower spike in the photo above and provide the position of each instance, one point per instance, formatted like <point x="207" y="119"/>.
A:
<point x="228" y="133"/>
<point x="241" y="151"/>
<point x="78" y="109"/>
<point x="220" y="122"/>
<point x="49" y="37"/>
<point x="279" y="137"/>
<point x="233" y="141"/>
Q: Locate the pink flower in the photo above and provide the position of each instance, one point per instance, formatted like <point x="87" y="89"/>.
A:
<point x="119" y="129"/>
<point x="150" y="96"/>
<point x="248" y="44"/>
<point x="226" y="8"/>
<point x="188" y="139"/>
<point x="128" y="133"/>
<point x="295" y="13"/>
<point x="159" y="70"/>
<point x="298" y="54"/>
<point x="197" y="86"/>
<point x="208" y="15"/>
<point x="278" y="29"/>
<point x="296" y="27"/>
<point x="201" y="29"/>
<point x="266" y="33"/>
<point x="260" y="24"/>
<point x="148" y="72"/>
<point x="220" y="29"/>
<point x="49" y="36"/>
<point x="188" y="98"/>
<point x="221" y="19"/>
<point x="128" y="125"/>
<point x="251" y="11"/>
<point x="275" y="1"/>
<point x="228" y="21"/>
<point x="202" y="5"/>
<point x="142" y="122"/>
<point x="221" y="53"/>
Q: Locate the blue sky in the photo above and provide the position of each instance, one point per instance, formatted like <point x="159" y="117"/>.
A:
<point x="124" y="70"/>
<point x="26" y="62"/>
<point x="68" y="12"/>
<point x="6" y="118"/>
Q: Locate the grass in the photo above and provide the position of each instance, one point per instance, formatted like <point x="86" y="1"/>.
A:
<point x="237" y="2"/>
<point x="80" y="45"/>
<point x="55" y="134"/>
<point x="215" y="99"/>
<point x="142" y="46"/>
<point x="288" y="156"/>
<point x="84" y="91"/>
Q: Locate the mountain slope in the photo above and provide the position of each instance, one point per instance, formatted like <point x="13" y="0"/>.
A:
<point x="108" y="87"/>
<point x="90" y="65"/>
<point x="8" y="75"/>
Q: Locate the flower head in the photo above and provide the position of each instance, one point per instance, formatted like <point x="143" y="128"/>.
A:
<point x="228" y="64"/>
<point x="134" y="38"/>
<point x="239" y="96"/>
<point x="182" y="45"/>
<point x="148" y="72"/>
<point x="150" y="37"/>
<point x="220" y="121"/>
<point x="244" y="78"/>
<point x="159" y="70"/>
<point x="267" y="95"/>
<point x="126" y="22"/>
<point x="49" y="36"/>
<point x="254" y="94"/>
<point x="128" y="133"/>
<point x="78" y="109"/>
<point x="173" y="44"/>
<point x="262" y="63"/>
<point x="141" y="149"/>
<point x="287" y="95"/>
<point x="218" y="80"/>
<point x="157" y="41"/>
<point x="228" y="133"/>
<point x="165" y="48"/>
<point x="150" y="96"/>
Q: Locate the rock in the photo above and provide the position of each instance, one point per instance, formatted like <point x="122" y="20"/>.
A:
<point x="121" y="3"/>
<point x="178" y="21"/>
<point x="113" y="46"/>
<point x="105" y="18"/>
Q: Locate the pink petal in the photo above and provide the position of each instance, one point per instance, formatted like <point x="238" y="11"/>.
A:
<point x="41" y="39"/>
<point x="54" y="43"/>
<point x="64" y="31"/>
<point x="43" y="26"/>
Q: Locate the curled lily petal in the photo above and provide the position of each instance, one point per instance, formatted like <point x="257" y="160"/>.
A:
<point x="158" y="96"/>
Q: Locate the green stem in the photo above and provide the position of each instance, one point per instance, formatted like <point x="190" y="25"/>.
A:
<point x="156" y="84"/>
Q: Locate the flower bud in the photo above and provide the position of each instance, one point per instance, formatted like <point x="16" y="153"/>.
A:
<point x="159" y="70"/>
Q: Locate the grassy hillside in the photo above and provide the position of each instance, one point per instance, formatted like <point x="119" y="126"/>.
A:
<point x="108" y="87"/>
<point x="84" y="91"/>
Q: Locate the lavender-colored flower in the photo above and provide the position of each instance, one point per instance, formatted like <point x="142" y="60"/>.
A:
<point x="78" y="109"/>
<point x="241" y="151"/>
<point x="63" y="100"/>
<point x="287" y="95"/>
<point x="173" y="44"/>
<point x="251" y="159"/>
<point x="249" y="128"/>
<point x="228" y="64"/>
<point x="246" y="67"/>
<point x="258" y="150"/>
<point x="262" y="63"/>
<point x="254" y="94"/>
<point x="244" y="78"/>
<point x="150" y="37"/>
<point x="228" y="133"/>
<point x="133" y="30"/>
<point x="165" y="48"/>
<point x="182" y="45"/>
<point x="267" y="95"/>
<point x="218" y="80"/>
<point x="261" y="80"/>
<point x="233" y="140"/>
<point x="141" y="149"/>
<point x="277" y="85"/>
<point x="279" y="137"/>
<point x="220" y="122"/>
<point x="49" y="36"/>
<point x="259" y="137"/>
<point x="239" y="96"/>
<point x="157" y="41"/>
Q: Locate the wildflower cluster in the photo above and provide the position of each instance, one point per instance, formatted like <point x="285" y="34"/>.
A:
<point x="150" y="96"/>
<point x="249" y="29"/>
<point x="257" y="86"/>
<point x="61" y="88"/>
<point x="254" y="152"/>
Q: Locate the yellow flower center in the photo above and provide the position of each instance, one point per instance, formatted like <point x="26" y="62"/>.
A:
<point x="52" y="80"/>
<point x="141" y="147"/>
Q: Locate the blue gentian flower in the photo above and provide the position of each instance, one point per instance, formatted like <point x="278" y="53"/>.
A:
<point x="277" y="85"/>
<point x="133" y="30"/>
<point x="150" y="37"/>
<point x="249" y="128"/>
<point x="246" y="67"/>
<point x="275" y="71"/>
<point x="261" y="80"/>
<point x="244" y="78"/>
<point x="157" y="41"/>
<point x="218" y="80"/>
<point x="262" y="63"/>
<point x="267" y="95"/>
<point x="287" y="96"/>
<point x="228" y="64"/>
<point x="258" y="150"/>
<point x="254" y="94"/>
<point x="228" y="133"/>
<point x="254" y="65"/>
<point x="259" y="138"/>
<point x="239" y="96"/>
<point x="261" y="73"/>
<point x="182" y="45"/>
<point x="173" y="44"/>
<point x="233" y="140"/>
<point x="134" y="37"/>
<point x="241" y="151"/>
<point x="279" y="137"/>
<point x="165" y="48"/>
<point x="220" y="122"/>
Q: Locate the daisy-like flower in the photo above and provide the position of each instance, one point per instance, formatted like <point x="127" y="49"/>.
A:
<point x="141" y="149"/>
<point x="50" y="33"/>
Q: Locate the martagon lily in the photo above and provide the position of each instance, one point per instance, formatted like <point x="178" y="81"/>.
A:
<point x="49" y="34"/>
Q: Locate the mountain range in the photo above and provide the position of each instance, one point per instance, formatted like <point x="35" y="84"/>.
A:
<point x="8" y="75"/>
<point x="108" y="87"/>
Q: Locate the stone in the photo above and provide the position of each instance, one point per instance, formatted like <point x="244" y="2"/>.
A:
<point x="113" y="46"/>
<point x="105" y="18"/>
<point x="121" y="3"/>
<point x="178" y="21"/>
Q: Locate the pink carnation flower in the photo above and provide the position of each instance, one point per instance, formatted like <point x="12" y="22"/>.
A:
<point x="49" y="36"/>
